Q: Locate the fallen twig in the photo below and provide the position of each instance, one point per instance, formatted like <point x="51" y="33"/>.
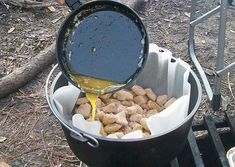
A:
<point x="229" y="86"/>
<point x="24" y="152"/>
<point x="44" y="144"/>
<point x="27" y="3"/>
<point x="22" y="75"/>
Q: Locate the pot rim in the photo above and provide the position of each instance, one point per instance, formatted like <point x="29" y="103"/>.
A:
<point x="79" y="132"/>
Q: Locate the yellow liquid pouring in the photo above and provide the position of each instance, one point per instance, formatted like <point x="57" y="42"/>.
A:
<point x="96" y="86"/>
<point x="92" y="98"/>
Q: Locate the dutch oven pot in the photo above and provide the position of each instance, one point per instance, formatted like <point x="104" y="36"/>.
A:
<point x="95" y="151"/>
<point x="152" y="151"/>
<point x="105" y="40"/>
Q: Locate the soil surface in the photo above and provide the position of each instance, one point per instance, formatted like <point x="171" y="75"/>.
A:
<point x="30" y="134"/>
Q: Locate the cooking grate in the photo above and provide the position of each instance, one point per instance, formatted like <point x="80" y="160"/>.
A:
<point x="210" y="150"/>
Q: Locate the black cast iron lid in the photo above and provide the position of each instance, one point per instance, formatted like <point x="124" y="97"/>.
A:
<point x="106" y="45"/>
<point x="107" y="42"/>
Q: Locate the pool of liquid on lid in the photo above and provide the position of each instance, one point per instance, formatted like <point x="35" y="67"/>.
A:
<point x="100" y="45"/>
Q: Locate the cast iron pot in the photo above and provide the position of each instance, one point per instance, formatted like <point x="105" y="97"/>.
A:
<point x="152" y="151"/>
<point x="102" y="39"/>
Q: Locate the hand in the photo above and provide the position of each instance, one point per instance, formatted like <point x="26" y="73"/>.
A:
<point x="60" y="1"/>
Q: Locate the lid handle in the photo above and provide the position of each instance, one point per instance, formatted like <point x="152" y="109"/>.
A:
<point x="73" y="4"/>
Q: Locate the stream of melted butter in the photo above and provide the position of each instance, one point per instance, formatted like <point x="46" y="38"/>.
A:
<point x="95" y="87"/>
<point x="92" y="98"/>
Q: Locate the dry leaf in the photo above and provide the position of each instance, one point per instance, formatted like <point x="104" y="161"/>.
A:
<point x="11" y="30"/>
<point x="3" y="164"/>
<point x="232" y="31"/>
<point x="187" y="14"/>
<point x="21" y="46"/>
<point x="58" y="165"/>
<point x="208" y="71"/>
<point x="60" y="1"/>
<point x="51" y="8"/>
<point x="24" y="19"/>
<point x="2" y="139"/>
<point x="225" y="102"/>
<point x="168" y="20"/>
<point x="56" y="20"/>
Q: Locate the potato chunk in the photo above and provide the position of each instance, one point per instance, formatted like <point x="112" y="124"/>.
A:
<point x="154" y="105"/>
<point x="150" y="94"/>
<point x="121" y="118"/>
<point x="108" y="119"/>
<point x="102" y="132"/>
<point x="127" y="129"/>
<point x="98" y="103"/>
<point x="145" y="106"/>
<point x="161" y="100"/>
<point x="111" y="108"/>
<point x="143" y="122"/>
<point x="134" y="109"/>
<point x="99" y="115"/>
<point x="109" y="101"/>
<point x="84" y="109"/>
<point x="123" y="95"/>
<point x="111" y="128"/>
<point x="105" y="96"/>
<point x="137" y="127"/>
<point x="127" y="103"/>
<point x="81" y="100"/>
<point x="138" y="90"/>
<point x="119" y="134"/>
<point x="140" y="100"/>
<point x="136" y="117"/>
<point x="169" y="102"/>
<point x="151" y="112"/>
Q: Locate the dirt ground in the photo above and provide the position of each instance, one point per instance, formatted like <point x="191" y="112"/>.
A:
<point x="33" y="136"/>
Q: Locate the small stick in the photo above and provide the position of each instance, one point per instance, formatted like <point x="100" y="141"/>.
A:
<point x="44" y="143"/>
<point x="27" y="3"/>
<point x="229" y="86"/>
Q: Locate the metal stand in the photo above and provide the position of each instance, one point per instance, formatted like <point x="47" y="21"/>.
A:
<point x="214" y="97"/>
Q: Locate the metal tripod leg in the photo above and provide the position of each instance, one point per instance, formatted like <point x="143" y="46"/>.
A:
<point x="215" y="97"/>
<point x="191" y="49"/>
<point x="220" y="55"/>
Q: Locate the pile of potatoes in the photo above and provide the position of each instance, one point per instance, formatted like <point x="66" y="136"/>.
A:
<point x="125" y="111"/>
